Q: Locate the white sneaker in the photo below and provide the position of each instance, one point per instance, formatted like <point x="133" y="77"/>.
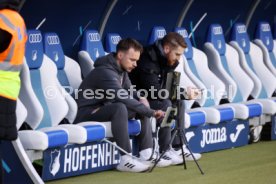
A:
<point x="187" y="154"/>
<point x="173" y="157"/>
<point x="129" y="164"/>
<point x="149" y="157"/>
<point x="256" y="133"/>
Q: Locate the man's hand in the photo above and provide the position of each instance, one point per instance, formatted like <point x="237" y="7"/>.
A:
<point x="159" y="114"/>
<point x="144" y="101"/>
<point x="193" y="93"/>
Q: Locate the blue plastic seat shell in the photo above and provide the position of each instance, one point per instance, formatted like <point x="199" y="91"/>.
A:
<point x="134" y="127"/>
<point x="197" y="118"/>
<point x="57" y="138"/>
<point x="254" y="110"/>
<point x="226" y="114"/>
<point x="94" y="132"/>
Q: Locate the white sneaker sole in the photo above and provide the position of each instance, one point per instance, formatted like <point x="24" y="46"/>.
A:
<point x="125" y="169"/>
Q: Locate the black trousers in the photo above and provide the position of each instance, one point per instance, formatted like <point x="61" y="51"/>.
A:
<point x="8" y="130"/>
<point x="118" y="114"/>
<point x="164" y="135"/>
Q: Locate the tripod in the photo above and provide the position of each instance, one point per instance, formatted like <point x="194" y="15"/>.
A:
<point x="180" y="132"/>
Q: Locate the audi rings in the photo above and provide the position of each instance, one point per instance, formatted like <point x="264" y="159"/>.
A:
<point x="35" y="38"/>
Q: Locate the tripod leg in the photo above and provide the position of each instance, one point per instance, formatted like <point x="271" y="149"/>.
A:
<point x="183" y="139"/>
<point x="182" y="150"/>
<point x="162" y="154"/>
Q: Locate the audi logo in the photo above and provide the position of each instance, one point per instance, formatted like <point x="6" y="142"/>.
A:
<point x="52" y="40"/>
<point x="265" y="27"/>
<point x="183" y="33"/>
<point x="217" y="30"/>
<point x="35" y="38"/>
<point x="94" y="37"/>
<point x="160" y="33"/>
<point x="115" y="39"/>
<point x="241" y="29"/>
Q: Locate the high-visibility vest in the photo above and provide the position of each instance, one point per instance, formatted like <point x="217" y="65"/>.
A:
<point x="12" y="58"/>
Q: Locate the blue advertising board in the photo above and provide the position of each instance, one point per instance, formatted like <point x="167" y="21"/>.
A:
<point x="73" y="160"/>
<point x="213" y="137"/>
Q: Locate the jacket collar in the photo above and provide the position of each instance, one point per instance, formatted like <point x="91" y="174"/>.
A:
<point x="113" y="61"/>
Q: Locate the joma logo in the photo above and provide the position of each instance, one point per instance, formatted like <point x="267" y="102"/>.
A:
<point x="213" y="136"/>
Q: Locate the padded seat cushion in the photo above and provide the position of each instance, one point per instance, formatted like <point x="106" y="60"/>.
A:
<point x="196" y="118"/>
<point x="94" y="132"/>
<point x="134" y="127"/>
<point x="254" y="110"/>
<point x="226" y="114"/>
<point x="43" y="139"/>
<point x="56" y="138"/>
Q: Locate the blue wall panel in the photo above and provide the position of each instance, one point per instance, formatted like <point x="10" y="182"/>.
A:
<point x="135" y="19"/>
<point x="218" y="12"/>
<point x="266" y="11"/>
<point x="65" y="18"/>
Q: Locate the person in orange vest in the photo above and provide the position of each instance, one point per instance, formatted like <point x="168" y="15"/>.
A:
<point x="12" y="49"/>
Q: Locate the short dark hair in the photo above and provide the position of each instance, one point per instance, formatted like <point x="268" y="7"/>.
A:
<point x="174" y="39"/>
<point x="127" y="43"/>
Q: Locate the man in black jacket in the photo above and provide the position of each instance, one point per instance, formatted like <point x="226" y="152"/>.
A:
<point x="105" y="95"/>
<point x="155" y="63"/>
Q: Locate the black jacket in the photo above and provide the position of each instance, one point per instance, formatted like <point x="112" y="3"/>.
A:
<point x="108" y="75"/>
<point x="151" y="70"/>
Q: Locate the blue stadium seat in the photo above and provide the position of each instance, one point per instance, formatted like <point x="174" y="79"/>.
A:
<point x="111" y="41"/>
<point x="196" y="67"/>
<point x="40" y="80"/>
<point x="90" y="49"/>
<point x="21" y="113"/>
<point x="264" y="39"/>
<point x="45" y="134"/>
<point x="251" y="60"/>
<point x="274" y="32"/>
<point x="224" y="61"/>
<point x="69" y="75"/>
<point x="157" y="32"/>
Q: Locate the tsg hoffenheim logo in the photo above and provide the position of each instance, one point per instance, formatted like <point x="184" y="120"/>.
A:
<point x="55" y="56"/>
<point x="243" y="43"/>
<point x="267" y="42"/>
<point x="219" y="44"/>
<point x="97" y="53"/>
<point x="34" y="55"/>
<point x="55" y="162"/>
